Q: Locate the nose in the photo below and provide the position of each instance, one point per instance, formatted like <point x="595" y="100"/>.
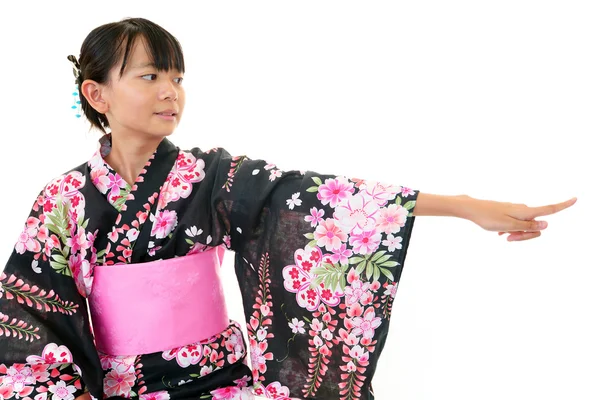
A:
<point x="169" y="90"/>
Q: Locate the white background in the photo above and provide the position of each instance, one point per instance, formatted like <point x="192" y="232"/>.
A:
<point x="498" y="100"/>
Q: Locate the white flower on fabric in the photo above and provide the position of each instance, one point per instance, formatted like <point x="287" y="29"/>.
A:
<point x="61" y="391"/>
<point x="132" y="234"/>
<point x="193" y="231"/>
<point x="392" y="242"/>
<point x="297" y="326"/>
<point x="182" y="382"/>
<point x="294" y="201"/>
<point x="208" y="239"/>
<point x="35" y="268"/>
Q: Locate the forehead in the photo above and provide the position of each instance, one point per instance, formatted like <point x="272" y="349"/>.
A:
<point x="139" y="56"/>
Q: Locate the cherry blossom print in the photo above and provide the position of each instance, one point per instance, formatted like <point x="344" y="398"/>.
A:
<point x="19" y="377"/>
<point x="163" y="223"/>
<point x="407" y="192"/>
<point x="358" y="291"/>
<point x="119" y="382"/>
<point x="161" y="395"/>
<point x="52" y="354"/>
<point x="294" y="201"/>
<point x="99" y="176"/>
<point x="275" y="173"/>
<point x="392" y="243"/>
<point x="365" y="326"/>
<point x="358" y="214"/>
<point x="380" y="192"/>
<point x="82" y="271"/>
<point x="187" y="171"/>
<point x="273" y="390"/>
<point x="66" y="188"/>
<point x="186" y="355"/>
<point x="390" y="289"/>
<point x="366" y="242"/>
<point x="28" y="238"/>
<point x="334" y="191"/>
<point x="297" y="326"/>
<point x="231" y="393"/>
<point x="391" y="219"/>
<point x="329" y="235"/>
<point x="315" y="217"/>
<point x="61" y="391"/>
<point x="300" y="279"/>
<point x="341" y="255"/>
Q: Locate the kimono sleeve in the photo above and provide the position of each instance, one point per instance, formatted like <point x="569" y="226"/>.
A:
<point x="318" y="260"/>
<point x="46" y="345"/>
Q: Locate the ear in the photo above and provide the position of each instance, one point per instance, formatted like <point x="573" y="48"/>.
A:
<point x="94" y="93"/>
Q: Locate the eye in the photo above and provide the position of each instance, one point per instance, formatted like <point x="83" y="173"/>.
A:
<point x="154" y="75"/>
<point x="180" y="80"/>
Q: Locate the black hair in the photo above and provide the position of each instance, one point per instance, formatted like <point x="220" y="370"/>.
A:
<point x="105" y="45"/>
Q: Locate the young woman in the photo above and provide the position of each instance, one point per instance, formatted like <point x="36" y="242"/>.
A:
<point x="137" y="234"/>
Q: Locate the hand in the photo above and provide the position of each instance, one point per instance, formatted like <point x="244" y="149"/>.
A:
<point x="85" y="396"/>
<point x="517" y="220"/>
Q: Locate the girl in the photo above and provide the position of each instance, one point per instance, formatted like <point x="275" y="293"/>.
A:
<point x="137" y="234"/>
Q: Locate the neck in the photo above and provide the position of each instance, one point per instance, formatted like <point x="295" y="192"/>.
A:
<point x="129" y="155"/>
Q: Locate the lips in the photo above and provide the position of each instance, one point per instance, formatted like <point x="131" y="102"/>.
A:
<point x="168" y="113"/>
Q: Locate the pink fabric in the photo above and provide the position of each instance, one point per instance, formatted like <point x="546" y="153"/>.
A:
<point x="159" y="305"/>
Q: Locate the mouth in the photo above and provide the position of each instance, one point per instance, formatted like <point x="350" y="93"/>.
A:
<point x="167" y="116"/>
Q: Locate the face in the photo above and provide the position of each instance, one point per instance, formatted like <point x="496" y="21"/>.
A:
<point x="143" y="102"/>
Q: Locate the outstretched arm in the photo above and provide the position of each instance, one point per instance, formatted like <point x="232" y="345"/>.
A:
<point x="516" y="219"/>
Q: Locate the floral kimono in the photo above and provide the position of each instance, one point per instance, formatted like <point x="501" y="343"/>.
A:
<point x="318" y="259"/>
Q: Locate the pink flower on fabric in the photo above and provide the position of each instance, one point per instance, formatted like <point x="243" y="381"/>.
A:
<point x="82" y="270"/>
<point x="40" y="372"/>
<point x="365" y="326"/>
<point x="163" y="223"/>
<point x="27" y="239"/>
<point x="227" y="393"/>
<point x="115" y="184"/>
<point x="276" y="390"/>
<point x="315" y="216"/>
<point x="78" y="240"/>
<point x="187" y="171"/>
<point x="19" y="377"/>
<point x="341" y="255"/>
<point x="186" y="355"/>
<point x="391" y="290"/>
<point x="162" y="395"/>
<point x="299" y="279"/>
<point x="391" y="219"/>
<point x="358" y="291"/>
<point x="359" y="353"/>
<point x="52" y="354"/>
<point x="333" y="191"/>
<point x="407" y="192"/>
<point x="359" y="213"/>
<point x="380" y="192"/>
<point x="119" y="383"/>
<point x="328" y="234"/>
<point x="61" y="391"/>
<point x="100" y="179"/>
<point x="366" y="242"/>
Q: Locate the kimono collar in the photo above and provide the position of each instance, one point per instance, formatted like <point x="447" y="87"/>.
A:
<point x="108" y="181"/>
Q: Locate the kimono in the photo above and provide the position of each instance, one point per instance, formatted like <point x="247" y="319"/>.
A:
<point x="318" y="259"/>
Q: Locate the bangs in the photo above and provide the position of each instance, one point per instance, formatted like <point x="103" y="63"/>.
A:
<point x="163" y="49"/>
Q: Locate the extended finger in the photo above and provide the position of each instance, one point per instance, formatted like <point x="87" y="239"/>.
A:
<point x="520" y="236"/>
<point x="533" y="212"/>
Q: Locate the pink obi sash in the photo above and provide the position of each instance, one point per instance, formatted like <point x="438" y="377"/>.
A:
<point x="159" y="305"/>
